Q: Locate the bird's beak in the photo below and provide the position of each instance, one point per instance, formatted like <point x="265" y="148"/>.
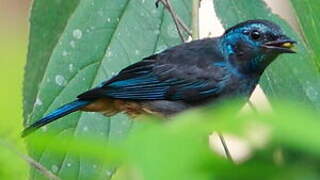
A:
<point x="281" y="45"/>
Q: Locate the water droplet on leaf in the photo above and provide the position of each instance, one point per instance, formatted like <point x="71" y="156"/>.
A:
<point x="38" y="102"/>
<point x="54" y="168"/>
<point x="77" y="33"/>
<point x="72" y="44"/>
<point x="70" y="67"/>
<point x="64" y="53"/>
<point x="60" y="80"/>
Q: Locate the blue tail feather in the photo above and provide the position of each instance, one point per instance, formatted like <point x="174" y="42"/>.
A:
<point x="58" y="113"/>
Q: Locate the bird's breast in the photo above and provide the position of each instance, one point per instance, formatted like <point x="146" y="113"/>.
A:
<point x="240" y="86"/>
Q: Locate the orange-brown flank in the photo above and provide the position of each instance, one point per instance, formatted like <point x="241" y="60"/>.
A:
<point x="109" y="107"/>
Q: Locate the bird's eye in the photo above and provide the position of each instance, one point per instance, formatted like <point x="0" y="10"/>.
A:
<point x="255" y="35"/>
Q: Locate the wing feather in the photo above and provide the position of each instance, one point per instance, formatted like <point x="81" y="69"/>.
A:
<point x="163" y="77"/>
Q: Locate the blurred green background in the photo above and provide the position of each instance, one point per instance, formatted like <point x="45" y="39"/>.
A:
<point x="13" y="38"/>
<point x="13" y="49"/>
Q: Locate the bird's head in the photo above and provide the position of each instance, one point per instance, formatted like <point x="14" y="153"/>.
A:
<point x="252" y="45"/>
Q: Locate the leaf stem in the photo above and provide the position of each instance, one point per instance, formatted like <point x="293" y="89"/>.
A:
<point x="30" y="161"/>
<point x="168" y="6"/>
<point x="177" y="20"/>
<point x="174" y="17"/>
<point x="195" y="19"/>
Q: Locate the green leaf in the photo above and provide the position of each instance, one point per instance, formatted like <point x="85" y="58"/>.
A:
<point x="100" y="37"/>
<point x="159" y="152"/>
<point x="291" y="76"/>
<point x="180" y="150"/>
<point x="47" y="22"/>
<point x="308" y="16"/>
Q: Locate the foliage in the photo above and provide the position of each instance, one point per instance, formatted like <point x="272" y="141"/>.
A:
<point x="179" y="149"/>
<point x="308" y="17"/>
<point x="45" y="31"/>
<point x="91" y="40"/>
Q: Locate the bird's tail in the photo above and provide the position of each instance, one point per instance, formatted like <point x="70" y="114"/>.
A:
<point x="58" y="113"/>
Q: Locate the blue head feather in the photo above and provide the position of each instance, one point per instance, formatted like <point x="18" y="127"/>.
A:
<point x="247" y="46"/>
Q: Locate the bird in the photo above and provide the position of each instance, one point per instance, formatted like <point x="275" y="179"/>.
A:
<point x="185" y="76"/>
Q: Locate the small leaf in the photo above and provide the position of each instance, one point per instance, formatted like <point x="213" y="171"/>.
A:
<point x="308" y="15"/>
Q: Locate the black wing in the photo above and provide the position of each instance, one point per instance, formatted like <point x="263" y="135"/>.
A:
<point x="186" y="72"/>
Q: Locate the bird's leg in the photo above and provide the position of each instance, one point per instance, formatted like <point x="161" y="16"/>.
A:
<point x="225" y="147"/>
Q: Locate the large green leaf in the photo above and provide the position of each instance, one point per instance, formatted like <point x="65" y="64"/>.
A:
<point x="291" y="76"/>
<point x="47" y="22"/>
<point x="100" y="38"/>
<point x="308" y="15"/>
